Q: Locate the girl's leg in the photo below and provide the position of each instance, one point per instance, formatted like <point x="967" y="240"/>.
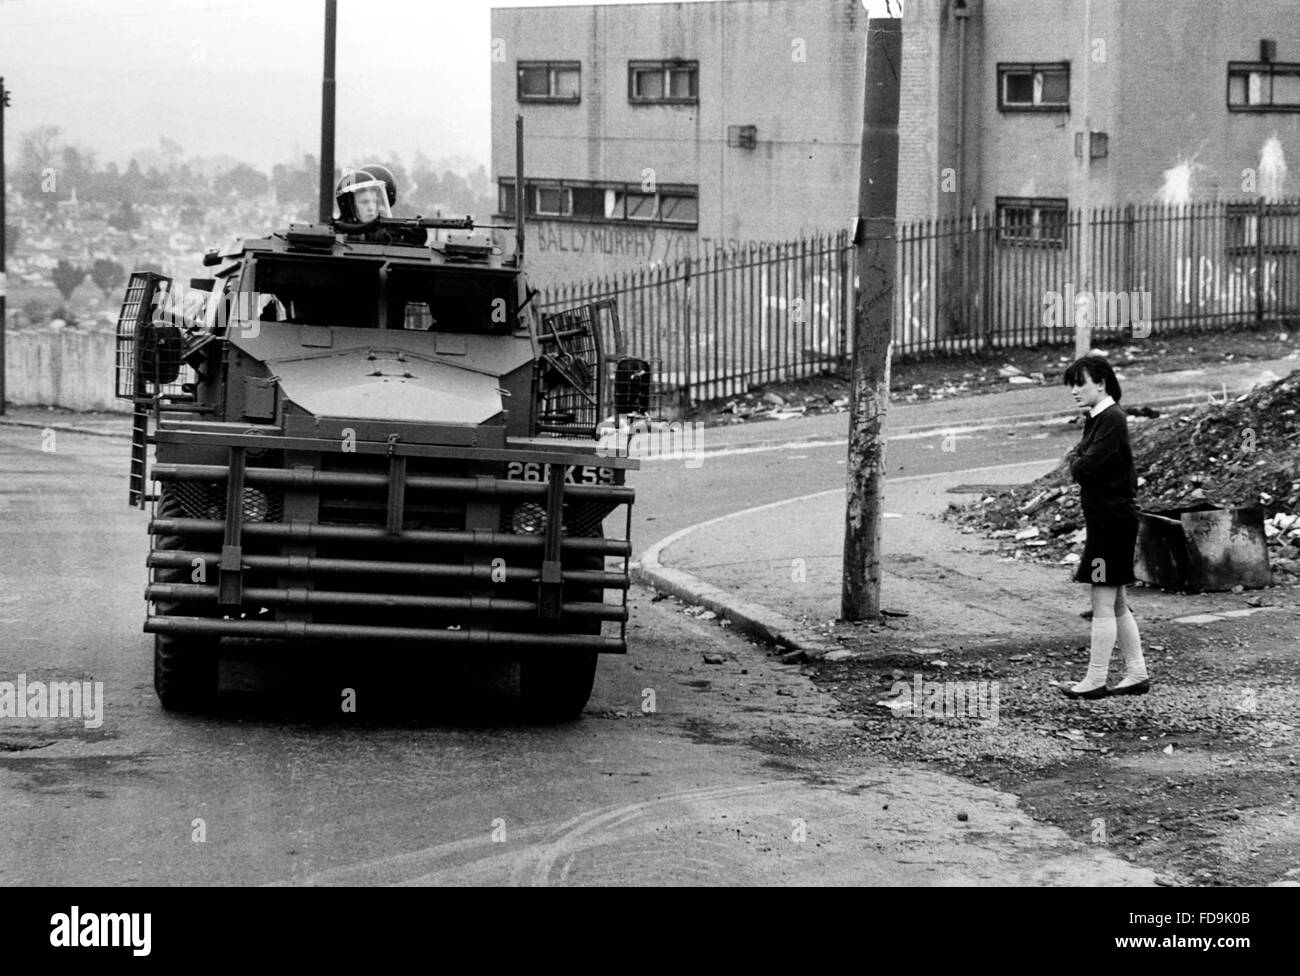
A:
<point x="1103" y="638"/>
<point x="1130" y="643"/>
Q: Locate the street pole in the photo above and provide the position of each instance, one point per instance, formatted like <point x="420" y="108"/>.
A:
<point x="4" y="283"/>
<point x="1083" y="175"/>
<point x="327" y="117"/>
<point x="873" y="309"/>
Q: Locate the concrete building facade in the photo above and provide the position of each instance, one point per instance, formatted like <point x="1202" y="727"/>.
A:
<point x="655" y="132"/>
<point x="1032" y="104"/>
<point x="658" y="131"/>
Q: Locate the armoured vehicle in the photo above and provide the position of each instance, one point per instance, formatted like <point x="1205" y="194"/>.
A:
<point x="363" y="435"/>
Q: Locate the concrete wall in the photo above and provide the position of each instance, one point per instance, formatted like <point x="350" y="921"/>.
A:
<point x="793" y="68"/>
<point x="61" y="368"/>
<point x="1176" y="108"/>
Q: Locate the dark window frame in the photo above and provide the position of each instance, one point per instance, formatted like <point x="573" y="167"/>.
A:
<point x="1031" y="68"/>
<point x="550" y="67"/>
<point x="506" y="198"/>
<point x="664" y="66"/>
<point x="1271" y="68"/>
<point x="1040" y="205"/>
<point x="1241" y="228"/>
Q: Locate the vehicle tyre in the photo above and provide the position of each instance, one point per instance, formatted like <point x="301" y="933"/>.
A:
<point x="185" y="672"/>
<point x="185" y="666"/>
<point x="169" y="507"/>
<point x="556" y="685"/>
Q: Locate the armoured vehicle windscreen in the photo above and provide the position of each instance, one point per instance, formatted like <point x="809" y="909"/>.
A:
<point x="360" y="294"/>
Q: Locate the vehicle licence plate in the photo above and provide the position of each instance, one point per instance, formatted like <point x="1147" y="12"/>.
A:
<point x="585" y="474"/>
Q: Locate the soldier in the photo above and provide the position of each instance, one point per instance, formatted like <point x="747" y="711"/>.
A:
<point x="362" y="197"/>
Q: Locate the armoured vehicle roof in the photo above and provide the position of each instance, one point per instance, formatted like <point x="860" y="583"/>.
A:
<point x="464" y="251"/>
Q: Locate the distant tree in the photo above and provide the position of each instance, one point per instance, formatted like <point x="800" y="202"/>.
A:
<point x="126" y="219"/>
<point x="67" y="277"/>
<point x="75" y="169"/>
<point x="426" y="189"/>
<point x="38" y="170"/>
<point x="13" y="234"/>
<point x="294" y="184"/>
<point x="107" y="275"/>
<point x="243" y="181"/>
<point x="456" y="192"/>
<point x="36" y="311"/>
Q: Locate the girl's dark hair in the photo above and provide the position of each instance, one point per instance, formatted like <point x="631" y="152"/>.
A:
<point x="1098" y="370"/>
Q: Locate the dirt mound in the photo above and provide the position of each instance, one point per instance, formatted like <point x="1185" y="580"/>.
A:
<point x="1233" y="453"/>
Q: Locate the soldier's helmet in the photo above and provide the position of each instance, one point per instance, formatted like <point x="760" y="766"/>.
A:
<point x="384" y="174"/>
<point x="361" y="197"/>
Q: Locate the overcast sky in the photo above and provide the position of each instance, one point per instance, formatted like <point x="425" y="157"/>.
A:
<point x="243" y="76"/>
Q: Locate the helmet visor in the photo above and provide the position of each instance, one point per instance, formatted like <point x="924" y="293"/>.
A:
<point x="369" y="200"/>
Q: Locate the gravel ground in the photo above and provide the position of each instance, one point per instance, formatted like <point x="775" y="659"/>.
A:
<point x="1199" y="779"/>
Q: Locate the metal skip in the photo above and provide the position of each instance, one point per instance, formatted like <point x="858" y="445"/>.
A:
<point x="1202" y="548"/>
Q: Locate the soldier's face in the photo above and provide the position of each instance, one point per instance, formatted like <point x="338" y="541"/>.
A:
<point x="367" y="203"/>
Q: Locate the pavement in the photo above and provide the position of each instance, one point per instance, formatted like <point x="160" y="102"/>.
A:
<point x="774" y="571"/>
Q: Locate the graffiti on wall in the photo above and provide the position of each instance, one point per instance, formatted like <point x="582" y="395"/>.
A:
<point x="1229" y="286"/>
<point x="648" y="245"/>
<point x="643" y="244"/>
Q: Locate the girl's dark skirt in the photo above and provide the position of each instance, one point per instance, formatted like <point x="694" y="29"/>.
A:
<point x="1112" y="537"/>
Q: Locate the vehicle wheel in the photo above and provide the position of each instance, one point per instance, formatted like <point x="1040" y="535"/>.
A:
<point x="555" y="686"/>
<point x="185" y="666"/>
<point x="185" y="671"/>
<point x="169" y="507"/>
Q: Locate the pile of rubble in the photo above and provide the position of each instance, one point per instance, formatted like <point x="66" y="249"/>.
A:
<point x="774" y="406"/>
<point x="1231" y="453"/>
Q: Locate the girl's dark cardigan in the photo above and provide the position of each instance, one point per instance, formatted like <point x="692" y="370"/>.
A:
<point x="1103" y="465"/>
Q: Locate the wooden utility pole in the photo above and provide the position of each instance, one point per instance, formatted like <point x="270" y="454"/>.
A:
<point x="873" y="312"/>
<point x="1083" y="196"/>
<point x="327" y="117"/>
<point x="4" y="320"/>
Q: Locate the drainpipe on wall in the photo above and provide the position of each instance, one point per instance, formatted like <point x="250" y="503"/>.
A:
<point x="961" y="11"/>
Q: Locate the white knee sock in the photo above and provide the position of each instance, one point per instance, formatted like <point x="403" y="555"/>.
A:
<point x="1130" y="645"/>
<point x="1103" y="642"/>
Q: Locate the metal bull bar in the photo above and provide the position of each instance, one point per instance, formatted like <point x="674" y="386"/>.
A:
<point x="231" y="561"/>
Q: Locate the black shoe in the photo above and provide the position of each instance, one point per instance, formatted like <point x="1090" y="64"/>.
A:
<point x="1137" y="688"/>
<point x="1069" y="692"/>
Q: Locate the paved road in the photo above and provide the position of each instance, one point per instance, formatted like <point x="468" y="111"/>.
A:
<point x="435" y="781"/>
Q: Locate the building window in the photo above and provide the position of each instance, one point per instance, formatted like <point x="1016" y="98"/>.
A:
<point x="550" y="81"/>
<point x="657" y="82"/>
<point x="679" y="208"/>
<point x="1026" y="220"/>
<point x="1034" y="87"/>
<point x="1263" y="87"/>
<point x="1242" y="223"/>
<point x="611" y="203"/>
<point x="552" y="201"/>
